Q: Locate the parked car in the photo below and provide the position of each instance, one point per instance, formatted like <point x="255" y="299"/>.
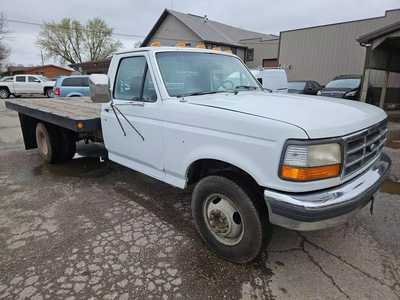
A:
<point x="20" y="85"/>
<point x="308" y="87"/>
<point x="252" y="158"/>
<point x="72" y="86"/>
<point x="272" y="79"/>
<point x="343" y="86"/>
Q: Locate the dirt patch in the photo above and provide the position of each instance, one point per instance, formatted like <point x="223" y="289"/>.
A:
<point x="391" y="187"/>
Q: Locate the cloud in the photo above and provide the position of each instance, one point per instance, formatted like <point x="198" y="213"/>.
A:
<point x="137" y="17"/>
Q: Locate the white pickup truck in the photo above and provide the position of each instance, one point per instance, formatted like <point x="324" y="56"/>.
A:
<point x="198" y="118"/>
<point x="20" y="85"/>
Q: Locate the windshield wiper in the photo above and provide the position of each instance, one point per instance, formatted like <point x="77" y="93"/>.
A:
<point x="246" y="87"/>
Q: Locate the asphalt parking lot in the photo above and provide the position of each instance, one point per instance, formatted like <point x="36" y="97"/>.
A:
<point x="92" y="230"/>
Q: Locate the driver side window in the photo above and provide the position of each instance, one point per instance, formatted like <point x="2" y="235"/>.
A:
<point x="33" y="79"/>
<point x="133" y="81"/>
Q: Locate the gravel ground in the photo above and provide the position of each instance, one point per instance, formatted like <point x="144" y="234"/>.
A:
<point x="91" y="230"/>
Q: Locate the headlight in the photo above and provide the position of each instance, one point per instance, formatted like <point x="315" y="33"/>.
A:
<point x="311" y="162"/>
<point x="319" y="93"/>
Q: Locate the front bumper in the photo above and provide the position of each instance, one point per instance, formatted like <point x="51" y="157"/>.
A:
<point x="326" y="208"/>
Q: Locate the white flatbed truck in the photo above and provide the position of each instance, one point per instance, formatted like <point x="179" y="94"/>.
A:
<point x="197" y="117"/>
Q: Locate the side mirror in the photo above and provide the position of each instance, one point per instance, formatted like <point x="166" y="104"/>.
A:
<point x="99" y="88"/>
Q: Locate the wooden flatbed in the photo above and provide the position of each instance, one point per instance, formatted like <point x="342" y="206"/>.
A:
<point x="78" y="114"/>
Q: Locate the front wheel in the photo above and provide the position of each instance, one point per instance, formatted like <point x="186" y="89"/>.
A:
<point x="229" y="220"/>
<point x="4" y="94"/>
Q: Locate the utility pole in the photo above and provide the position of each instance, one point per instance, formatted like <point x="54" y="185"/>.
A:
<point x="42" y="57"/>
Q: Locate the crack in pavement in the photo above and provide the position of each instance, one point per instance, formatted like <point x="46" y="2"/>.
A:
<point x="286" y="250"/>
<point x="267" y="276"/>
<point x="327" y="275"/>
<point x="376" y="279"/>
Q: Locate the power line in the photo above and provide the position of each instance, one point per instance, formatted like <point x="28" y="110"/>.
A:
<point x="136" y="36"/>
<point x="94" y="31"/>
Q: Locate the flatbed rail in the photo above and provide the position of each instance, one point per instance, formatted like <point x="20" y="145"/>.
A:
<point x="78" y="114"/>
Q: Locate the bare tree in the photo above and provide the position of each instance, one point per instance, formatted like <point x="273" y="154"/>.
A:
<point x="69" y="41"/>
<point x="4" y="50"/>
<point x="137" y="44"/>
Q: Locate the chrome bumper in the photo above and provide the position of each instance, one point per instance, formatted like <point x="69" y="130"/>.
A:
<point x="326" y="208"/>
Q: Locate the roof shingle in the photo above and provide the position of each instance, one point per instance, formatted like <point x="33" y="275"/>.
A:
<point x="213" y="31"/>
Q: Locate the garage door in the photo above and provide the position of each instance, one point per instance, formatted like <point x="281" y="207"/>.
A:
<point x="270" y="63"/>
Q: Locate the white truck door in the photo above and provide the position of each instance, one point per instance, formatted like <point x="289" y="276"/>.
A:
<point x="132" y="130"/>
<point x="20" y="84"/>
<point x="34" y="85"/>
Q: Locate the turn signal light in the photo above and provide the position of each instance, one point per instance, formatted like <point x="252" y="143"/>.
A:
<point x="310" y="173"/>
<point x="80" y="125"/>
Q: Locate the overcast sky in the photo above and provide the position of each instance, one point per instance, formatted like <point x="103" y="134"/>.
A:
<point x="136" y="17"/>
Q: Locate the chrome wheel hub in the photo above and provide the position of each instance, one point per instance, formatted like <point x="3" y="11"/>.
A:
<point x="223" y="219"/>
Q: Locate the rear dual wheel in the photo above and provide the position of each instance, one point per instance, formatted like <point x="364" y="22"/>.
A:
<point x="55" y="144"/>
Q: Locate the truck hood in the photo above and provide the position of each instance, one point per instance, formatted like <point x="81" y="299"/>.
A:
<point x="319" y="117"/>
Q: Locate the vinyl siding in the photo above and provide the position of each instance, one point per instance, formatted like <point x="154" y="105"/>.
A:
<point x="171" y="31"/>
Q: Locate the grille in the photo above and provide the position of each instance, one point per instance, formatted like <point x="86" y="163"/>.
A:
<point x="362" y="148"/>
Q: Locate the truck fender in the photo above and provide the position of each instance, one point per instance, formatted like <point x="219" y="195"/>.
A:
<point x="5" y="87"/>
<point x="226" y="155"/>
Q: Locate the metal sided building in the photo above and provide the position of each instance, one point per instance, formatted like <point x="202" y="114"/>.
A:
<point x="323" y="52"/>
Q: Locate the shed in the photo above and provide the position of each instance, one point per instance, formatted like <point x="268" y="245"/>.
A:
<point x="383" y="53"/>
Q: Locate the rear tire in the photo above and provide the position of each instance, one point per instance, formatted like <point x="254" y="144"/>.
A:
<point x="49" y="93"/>
<point x="55" y="144"/>
<point x="47" y="142"/>
<point x="232" y="222"/>
<point x="4" y="93"/>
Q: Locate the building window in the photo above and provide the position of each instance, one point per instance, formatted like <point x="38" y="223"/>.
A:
<point x="250" y="54"/>
<point x="234" y="50"/>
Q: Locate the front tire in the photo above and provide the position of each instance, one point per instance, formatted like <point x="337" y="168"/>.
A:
<point x="229" y="219"/>
<point x="4" y="93"/>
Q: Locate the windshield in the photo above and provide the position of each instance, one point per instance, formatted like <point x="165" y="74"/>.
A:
<point x="188" y="73"/>
<point x="296" y="85"/>
<point x="351" y="83"/>
<point x="42" y="78"/>
<point x="7" y="78"/>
